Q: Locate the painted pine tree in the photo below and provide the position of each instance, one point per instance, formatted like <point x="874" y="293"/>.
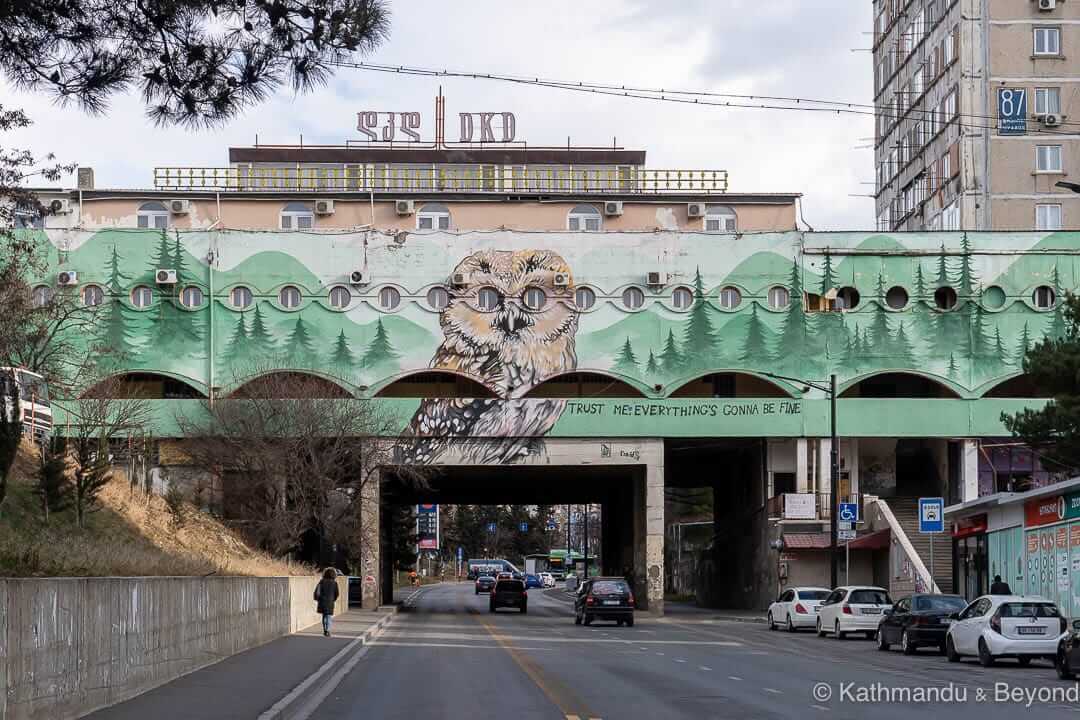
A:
<point x="881" y="345"/>
<point x="651" y="366"/>
<point x="852" y="357"/>
<point x="1000" y="353"/>
<point x="670" y="358"/>
<point x="902" y="351"/>
<point x="831" y="324"/>
<point x="967" y="279"/>
<point x="626" y="362"/>
<point x="342" y="357"/>
<point x="1022" y="346"/>
<point x="236" y="352"/>
<point x="795" y="345"/>
<point x="952" y="331"/>
<point x="952" y="371"/>
<point x="172" y="329"/>
<point x="982" y="349"/>
<point x="261" y="341"/>
<point x="192" y="324"/>
<point x="299" y="347"/>
<point x="1055" y="330"/>
<point x="755" y="347"/>
<point x="699" y="345"/>
<point x="380" y="351"/>
<point x="116" y="320"/>
<point x="925" y="322"/>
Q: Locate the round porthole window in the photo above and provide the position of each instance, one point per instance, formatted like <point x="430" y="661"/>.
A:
<point x="488" y="299"/>
<point x="438" y="298"/>
<point x="682" y="298"/>
<point x="730" y="298"/>
<point x="779" y="297"/>
<point x="847" y="298"/>
<point x="633" y="298"/>
<point x="584" y="298"/>
<point x="945" y="298"/>
<point x="993" y="298"/>
<point x="389" y="298"/>
<point x="534" y="298"/>
<point x="896" y="297"/>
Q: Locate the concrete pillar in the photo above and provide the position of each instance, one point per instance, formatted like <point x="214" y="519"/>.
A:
<point x="371" y="542"/>
<point x="824" y="465"/>
<point x="850" y="450"/>
<point x="801" y="481"/>
<point x="654" y="536"/>
<point x="969" y="469"/>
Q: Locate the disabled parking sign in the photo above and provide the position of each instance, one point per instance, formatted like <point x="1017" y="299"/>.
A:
<point x="849" y="512"/>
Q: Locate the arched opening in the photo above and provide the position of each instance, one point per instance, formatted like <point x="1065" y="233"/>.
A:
<point x="145" y="385"/>
<point x="1019" y="386"/>
<point x="288" y="384"/>
<point x="436" y="384"/>
<point x="899" y="385"/>
<point x="584" y="385"/>
<point x="729" y="385"/>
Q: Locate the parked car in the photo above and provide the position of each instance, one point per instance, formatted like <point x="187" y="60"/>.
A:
<point x="1006" y="626"/>
<point x="484" y="584"/>
<point x="1067" y="660"/>
<point x="852" y="608"/>
<point x="533" y="581"/>
<point x="797" y="607"/>
<point x="917" y="621"/>
<point x="604" y="598"/>
<point x="548" y="579"/>
<point x="509" y="593"/>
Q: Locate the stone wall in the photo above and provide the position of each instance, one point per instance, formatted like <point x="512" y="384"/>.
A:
<point x="71" y="645"/>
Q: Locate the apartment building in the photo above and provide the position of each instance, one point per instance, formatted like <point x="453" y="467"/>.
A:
<point x="974" y="105"/>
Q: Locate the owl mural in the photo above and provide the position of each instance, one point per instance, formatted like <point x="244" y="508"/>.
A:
<point x="510" y="327"/>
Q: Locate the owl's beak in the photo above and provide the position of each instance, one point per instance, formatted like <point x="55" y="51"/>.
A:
<point x="511" y="320"/>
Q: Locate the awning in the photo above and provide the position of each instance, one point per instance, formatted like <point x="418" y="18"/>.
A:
<point x="806" y="541"/>
<point x="874" y="541"/>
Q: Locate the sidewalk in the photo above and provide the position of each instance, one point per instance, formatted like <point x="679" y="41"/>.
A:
<point x="250" y="683"/>
<point x="685" y="612"/>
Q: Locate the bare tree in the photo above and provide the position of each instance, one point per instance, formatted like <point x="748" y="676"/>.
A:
<point x="108" y="412"/>
<point x="297" y="455"/>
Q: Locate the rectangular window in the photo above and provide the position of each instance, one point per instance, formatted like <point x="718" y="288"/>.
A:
<point x="947" y="49"/>
<point x="950" y="217"/>
<point x="144" y="221"/>
<point x="950" y="106"/>
<point x="286" y="222"/>
<point x="573" y="224"/>
<point x="1047" y="41"/>
<point x="1047" y="100"/>
<point x="946" y="167"/>
<point x="426" y="222"/>
<point x="1047" y="217"/>
<point x="592" y="224"/>
<point x="1048" y="158"/>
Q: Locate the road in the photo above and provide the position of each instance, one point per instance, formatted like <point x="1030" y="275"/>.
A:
<point x="446" y="656"/>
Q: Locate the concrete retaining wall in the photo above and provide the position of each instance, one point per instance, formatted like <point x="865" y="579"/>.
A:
<point x="69" y="646"/>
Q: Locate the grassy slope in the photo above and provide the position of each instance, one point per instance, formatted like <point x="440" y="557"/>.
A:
<point x="130" y="535"/>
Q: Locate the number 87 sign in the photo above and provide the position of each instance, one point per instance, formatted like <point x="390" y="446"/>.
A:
<point x="1012" y="111"/>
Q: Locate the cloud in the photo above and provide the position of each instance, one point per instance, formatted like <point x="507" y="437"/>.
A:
<point x="784" y="47"/>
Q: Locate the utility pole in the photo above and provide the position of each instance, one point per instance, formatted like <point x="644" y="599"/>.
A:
<point x="586" y="525"/>
<point x="834" y="461"/>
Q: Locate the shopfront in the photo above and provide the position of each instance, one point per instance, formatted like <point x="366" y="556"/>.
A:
<point x="1052" y="550"/>
<point x="971" y="569"/>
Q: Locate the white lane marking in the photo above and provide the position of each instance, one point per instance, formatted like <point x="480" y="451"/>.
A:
<point x="660" y="654"/>
<point x="704" y="667"/>
<point x="679" y="660"/>
<point x="774" y="691"/>
<point x="405" y="632"/>
<point x="822" y="708"/>
<point x="734" y="677"/>
<point x="393" y="643"/>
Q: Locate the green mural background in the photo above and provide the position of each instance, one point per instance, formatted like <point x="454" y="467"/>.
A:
<point x="363" y="347"/>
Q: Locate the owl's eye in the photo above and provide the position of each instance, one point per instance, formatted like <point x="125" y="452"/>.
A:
<point x="534" y="298"/>
<point x="488" y="299"/>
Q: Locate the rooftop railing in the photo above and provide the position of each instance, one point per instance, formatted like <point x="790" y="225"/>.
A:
<point x="479" y="179"/>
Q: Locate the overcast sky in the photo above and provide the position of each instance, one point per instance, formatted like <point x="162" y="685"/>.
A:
<point x="784" y="47"/>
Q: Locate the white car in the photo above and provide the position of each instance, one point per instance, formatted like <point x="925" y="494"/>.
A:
<point x="997" y="626"/>
<point x="547" y="579"/>
<point x="852" y="608"/>
<point x="797" y="607"/>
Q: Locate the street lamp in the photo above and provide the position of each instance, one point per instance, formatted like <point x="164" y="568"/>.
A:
<point x="834" y="462"/>
<point x="1075" y="187"/>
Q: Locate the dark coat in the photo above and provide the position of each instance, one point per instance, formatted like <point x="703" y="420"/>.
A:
<point x="1000" y="588"/>
<point x="326" y="594"/>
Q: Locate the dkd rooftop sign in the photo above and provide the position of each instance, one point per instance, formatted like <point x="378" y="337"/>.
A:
<point x="485" y="127"/>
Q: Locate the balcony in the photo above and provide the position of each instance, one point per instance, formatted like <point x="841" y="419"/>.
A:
<point x="807" y="506"/>
<point x="495" y="179"/>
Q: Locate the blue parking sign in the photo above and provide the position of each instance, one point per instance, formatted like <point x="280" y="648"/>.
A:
<point x="849" y="512"/>
<point x="932" y="515"/>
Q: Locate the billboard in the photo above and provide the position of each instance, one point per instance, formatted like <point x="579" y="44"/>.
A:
<point x="427" y="527"/>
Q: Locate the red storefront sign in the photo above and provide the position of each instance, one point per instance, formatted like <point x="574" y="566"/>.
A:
<point x="966" y="527"/>
<point x="1044" y="511"/>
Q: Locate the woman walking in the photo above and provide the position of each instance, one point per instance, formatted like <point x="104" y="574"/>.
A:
<point x="326" y="595"/>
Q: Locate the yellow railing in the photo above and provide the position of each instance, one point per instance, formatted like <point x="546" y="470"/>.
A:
<point x="479" y="178"/>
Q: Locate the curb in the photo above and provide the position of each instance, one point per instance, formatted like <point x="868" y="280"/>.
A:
<point x="303" y="699"/>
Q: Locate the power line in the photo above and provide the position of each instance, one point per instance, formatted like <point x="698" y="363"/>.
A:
<point x="686" y="97"/>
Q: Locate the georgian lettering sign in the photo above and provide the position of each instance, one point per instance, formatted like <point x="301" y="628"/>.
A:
<point x="397" y="126"/>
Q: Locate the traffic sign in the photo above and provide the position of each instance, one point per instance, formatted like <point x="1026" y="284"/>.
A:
<point x="841" y="525"/>
<point x="849" y="512"/>
<point x="491" y="527"/>
<point x="460" y="553"/>
<point x="845" y="535"/>
<point x="932" y="515"/>
<point x="524" y="527"/>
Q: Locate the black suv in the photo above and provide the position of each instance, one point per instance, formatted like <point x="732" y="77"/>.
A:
<point x="604" y="598"/>
<point x="509" y="593"/>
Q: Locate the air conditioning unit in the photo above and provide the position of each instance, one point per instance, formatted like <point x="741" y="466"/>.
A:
<point x="561" y="279"/>
<point x="695" y="210"/>
<point x="459" y="279"/>
<point x="360" y="277"/>
<point x="613" y="207"/>
<point x="60" y="206"/>
<point x="165" y="276"/>
<point x="1047" y="5"/>
<point x="404" y="207"/>
<point x="179" y="206"/>
<point x="67" y="278"/>
<point x="1051" y="119"/>
<point x="655" y="278"/>
<point x="324" y="207"/>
